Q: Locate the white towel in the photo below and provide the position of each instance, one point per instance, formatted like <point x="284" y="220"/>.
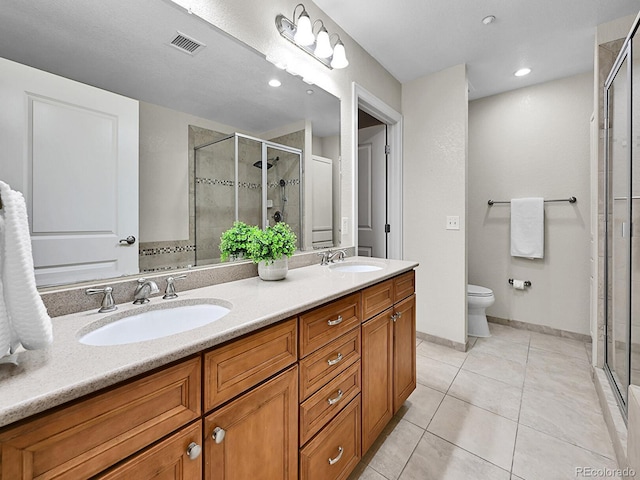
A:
<point x="29" y="323"/>
<point x="527" y="227"/>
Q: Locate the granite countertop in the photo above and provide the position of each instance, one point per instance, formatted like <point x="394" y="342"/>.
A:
<point x="68" y="369"/>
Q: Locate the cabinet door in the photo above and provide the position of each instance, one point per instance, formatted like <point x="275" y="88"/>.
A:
<point x="260" y="438"/>
<point x="175" y="458"/>
<point x="377" y="376"/>
<point x="404" y="351"/>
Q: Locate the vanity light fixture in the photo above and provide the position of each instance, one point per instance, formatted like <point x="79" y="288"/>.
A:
<point x="522" y="72"/>
<point x="299" y="31"/>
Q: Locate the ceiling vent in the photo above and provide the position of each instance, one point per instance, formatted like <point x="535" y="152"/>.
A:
<point x="186" y="44"/>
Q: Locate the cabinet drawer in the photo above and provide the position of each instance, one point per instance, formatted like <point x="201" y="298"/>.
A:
<point x="321" y="366"/>
<point x="168" y="459"/>
<point x="85" y="438"/>
<point x="335" y="451"/>
<point x="238" y="366"/>
<point x="404" y="286"/>
<point x="321" y="407"/>
<point x="376" y="299"/>
<point x="324" y="324"/>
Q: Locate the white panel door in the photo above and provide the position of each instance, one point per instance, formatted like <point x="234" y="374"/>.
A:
<point x="322" y="201"/>
<point x="372" y="199"/>
<point x="72" y="150"/>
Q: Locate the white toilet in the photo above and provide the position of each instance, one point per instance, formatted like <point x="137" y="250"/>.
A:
<point x="478" y="300"/>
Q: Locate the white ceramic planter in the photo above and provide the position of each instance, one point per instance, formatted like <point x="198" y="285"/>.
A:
<point x="276" y="270"/>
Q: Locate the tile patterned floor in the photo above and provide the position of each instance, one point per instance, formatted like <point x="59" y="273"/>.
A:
<point x="517" y="406"/>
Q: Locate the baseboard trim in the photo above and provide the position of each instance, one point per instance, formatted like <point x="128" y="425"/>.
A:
<point x="612" y="416"/>
<point x="461" y="347"/>
<point x="532" y="327"/>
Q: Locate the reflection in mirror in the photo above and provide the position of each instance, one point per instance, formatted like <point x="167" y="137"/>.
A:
<point x="180" y="101"/>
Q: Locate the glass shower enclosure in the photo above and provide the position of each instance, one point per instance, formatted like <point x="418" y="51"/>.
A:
<point x="622" y="221"/>
<point x="247" y="179"/>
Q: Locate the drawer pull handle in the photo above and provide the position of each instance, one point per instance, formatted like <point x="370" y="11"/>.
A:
<point x="194" y="450"/>
<point x="218" y="434"/>
<point x="333" y="461"/>
<point x="333" y="361"/>
<point x="335" y="399"/>
<point x="337" y="321"/>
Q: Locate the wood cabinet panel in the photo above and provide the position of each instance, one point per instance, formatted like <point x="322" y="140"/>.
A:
<point x="321" y="366"/>
<point x="376" y="299"/>
<point x="404" y="351"/>
<point x="321" y="407"/>
<point x="238" y="366"/>
<point x="167" y="460"/>
<point x="321" y="325"/>
<point x="404" y="285"/>
<point x="82" y="439"/>
<point x="377" y="376"/>
<point x="335" y="451"/>
<point x="261" y="433"/>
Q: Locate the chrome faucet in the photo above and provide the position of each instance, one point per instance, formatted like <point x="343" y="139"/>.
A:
<point x="108" y="305"/>
<point x="143" y="290"/>
<point x="339" y="255"/>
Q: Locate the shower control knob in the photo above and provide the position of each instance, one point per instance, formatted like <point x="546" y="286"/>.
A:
<point x="277" y="216"/>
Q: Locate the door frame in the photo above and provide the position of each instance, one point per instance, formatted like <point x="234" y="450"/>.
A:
<point x="368" y="102"/>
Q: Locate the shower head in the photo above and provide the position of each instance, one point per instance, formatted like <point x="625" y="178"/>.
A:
<point x="270" y="162"/>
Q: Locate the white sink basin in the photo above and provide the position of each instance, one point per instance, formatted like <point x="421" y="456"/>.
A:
<point x="152" y="324"/>
<point x="356" y="266"/>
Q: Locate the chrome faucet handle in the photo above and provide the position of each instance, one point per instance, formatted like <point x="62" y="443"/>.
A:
<point x="325" y="257"/>
<point x="108" y="305"/>
<point x="170" y="291"/>
<point x="143" y="290"/>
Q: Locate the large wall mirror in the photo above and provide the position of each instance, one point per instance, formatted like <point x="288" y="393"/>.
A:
<point x="138" y="119"/>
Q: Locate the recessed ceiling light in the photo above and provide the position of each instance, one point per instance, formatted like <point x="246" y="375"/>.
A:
<point x="275" y="82"/>
<point x="488" y="19"/>
<point x="310" y="92"/>
<point x="522" y="72"/>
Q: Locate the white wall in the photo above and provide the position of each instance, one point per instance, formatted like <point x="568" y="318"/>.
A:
<point x="533" y="142"/>
<point x="435" y="161"/>
<point x="253" y="22"/>
<point x="164" y="173"/>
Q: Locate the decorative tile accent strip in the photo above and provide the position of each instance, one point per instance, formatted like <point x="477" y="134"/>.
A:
<point x="290" y="182"/>
<point x="215" y="181"/>
<point x="250" y="186"/>
<point x="165" y="250"/>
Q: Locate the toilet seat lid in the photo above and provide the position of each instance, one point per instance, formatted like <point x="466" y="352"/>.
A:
<point x="478" y="291"/>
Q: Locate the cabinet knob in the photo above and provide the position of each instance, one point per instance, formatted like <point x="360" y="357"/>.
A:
<point x="394" y="317"/>
<point x="333" y="461"/>
<point x="218" y="434"/>
<point x="194" y="450"/>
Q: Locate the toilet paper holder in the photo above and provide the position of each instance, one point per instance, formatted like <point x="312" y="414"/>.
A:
<point x="527" y="283"/>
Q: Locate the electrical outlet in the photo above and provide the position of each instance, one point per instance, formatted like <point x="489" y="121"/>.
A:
<point x="453" y="222"/>
<point x="345" y="226"/>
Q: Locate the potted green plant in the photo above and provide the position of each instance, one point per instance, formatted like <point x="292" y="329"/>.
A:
<point x="270" y="249"/>
<point x="234" y="241"/>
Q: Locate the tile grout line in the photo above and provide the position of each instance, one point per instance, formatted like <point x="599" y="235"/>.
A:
<point x="515" y="440"/>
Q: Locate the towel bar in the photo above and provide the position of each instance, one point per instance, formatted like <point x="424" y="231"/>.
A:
<point x="570" y="200"/>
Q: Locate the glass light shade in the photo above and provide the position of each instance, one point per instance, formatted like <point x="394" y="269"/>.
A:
<point x="339" y="59"/>
<point x="304" y="36"/>
<point x="323" y="45"/>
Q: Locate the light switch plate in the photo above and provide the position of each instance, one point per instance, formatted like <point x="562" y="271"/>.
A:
<point x="453" y="222"/>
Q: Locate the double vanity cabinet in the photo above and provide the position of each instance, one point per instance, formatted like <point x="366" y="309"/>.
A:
<point x="303" y="398"/>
